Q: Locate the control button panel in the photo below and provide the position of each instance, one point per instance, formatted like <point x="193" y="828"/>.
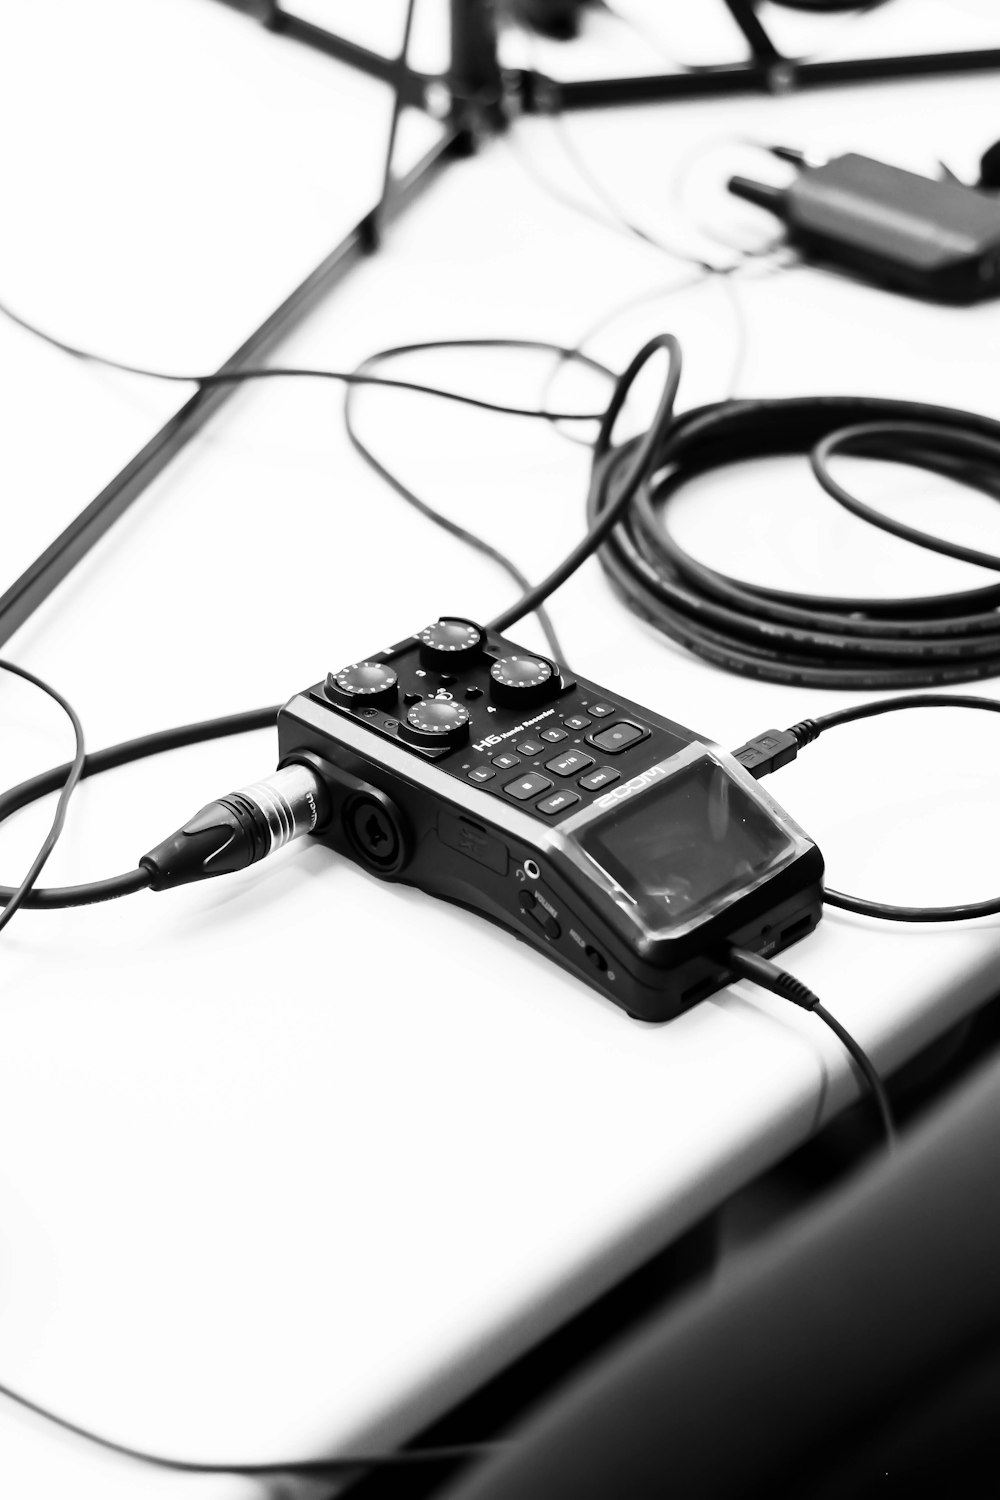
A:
<point x="507" y="721"/>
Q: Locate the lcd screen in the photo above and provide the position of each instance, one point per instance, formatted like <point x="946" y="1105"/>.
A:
<point x="687" y="844"/>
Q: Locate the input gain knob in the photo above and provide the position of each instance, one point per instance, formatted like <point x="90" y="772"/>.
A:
<point x="369" y="684"/>
<point x="436" y="723"/>
<point x="450" y="644"/>
<point x="520" y="681"/>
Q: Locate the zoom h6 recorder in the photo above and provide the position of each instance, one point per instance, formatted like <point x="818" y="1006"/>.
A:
<point x="621" y="845"/>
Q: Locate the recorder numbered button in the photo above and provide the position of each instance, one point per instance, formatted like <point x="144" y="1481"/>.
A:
<point x="523" y="788"/>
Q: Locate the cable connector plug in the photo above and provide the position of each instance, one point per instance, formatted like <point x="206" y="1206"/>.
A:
<point x="236" y="831"/>
<point x="768" y="752"/>
<point x="761" y="971"/>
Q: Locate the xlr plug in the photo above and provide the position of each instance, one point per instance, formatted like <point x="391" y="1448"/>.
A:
<point x="238" y="830"/>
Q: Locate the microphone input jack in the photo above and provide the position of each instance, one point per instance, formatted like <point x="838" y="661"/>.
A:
<point x="374" y="832"/>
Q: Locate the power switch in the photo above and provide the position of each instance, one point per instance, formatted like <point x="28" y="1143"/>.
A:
<point x="533" y="908"/>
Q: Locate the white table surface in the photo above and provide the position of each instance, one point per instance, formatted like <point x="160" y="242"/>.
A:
<point x="264" y="1188"/>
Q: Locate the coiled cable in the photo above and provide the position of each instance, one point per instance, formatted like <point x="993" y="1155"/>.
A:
<point x="791" y="637"/>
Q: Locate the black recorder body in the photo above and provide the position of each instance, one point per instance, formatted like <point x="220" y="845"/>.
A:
<point x="618" y="843"/>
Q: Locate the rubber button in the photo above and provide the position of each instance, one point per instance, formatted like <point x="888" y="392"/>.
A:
<point x="618" y="737"/>
<point x="553" y="736"/>
<point x="557" y="803"/>
<point x="531" y="747"/>
<point x="578" y="721"/>
<point x="569" y="763"/>
<point x="601" y="710"/>
<point x="526" y="787"/>
<point x="482" y="773"/>
<point x="594" y="780"/>
<point x="506" y="762"/>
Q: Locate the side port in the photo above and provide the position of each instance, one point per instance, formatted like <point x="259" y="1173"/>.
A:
<point x="702" y="989"/>
<point x="373" y="831"/>
<point x="795" y="930"/>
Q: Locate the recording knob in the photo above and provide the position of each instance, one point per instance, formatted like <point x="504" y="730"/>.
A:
<point x="368" y="684"/>
<point x="450" y="644"/>
<point x="520" y="681"/>
<point x="436" y="723"/>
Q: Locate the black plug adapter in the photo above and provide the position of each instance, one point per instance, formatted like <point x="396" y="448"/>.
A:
<point x="936" y="239"/>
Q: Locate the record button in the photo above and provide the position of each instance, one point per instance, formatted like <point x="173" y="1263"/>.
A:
<point x="618" y="737"/>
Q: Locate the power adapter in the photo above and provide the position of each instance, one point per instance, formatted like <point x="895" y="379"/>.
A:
<point x="936" y="239"/>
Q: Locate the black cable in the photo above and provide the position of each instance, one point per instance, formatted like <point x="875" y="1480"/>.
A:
<point x="316" y="1468"/>
<point x="782" y="636"/>
<point x="14" y="897"/>
<point x="951" y="452"/>
<point x="641" y="452"/>
<point x="281" y="372"/>
<point x="653" y="294"/>
<point x="106" y="760"/>
<point x="868" y="1070"/>
<point x="810" y="729"/>
<point x="485" y="548"/>
<point x="770" y="977"/>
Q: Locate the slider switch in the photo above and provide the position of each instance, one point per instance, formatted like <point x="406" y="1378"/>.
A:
<point x="533" y="908"/>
